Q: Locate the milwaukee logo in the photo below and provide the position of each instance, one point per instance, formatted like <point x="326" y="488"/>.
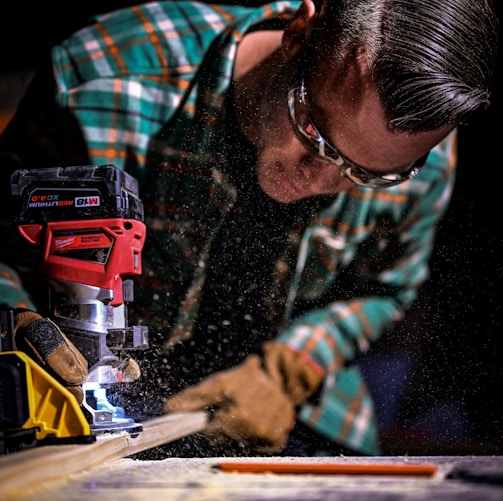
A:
<point x="87" y="201"/>
<point x="61" y="243"/>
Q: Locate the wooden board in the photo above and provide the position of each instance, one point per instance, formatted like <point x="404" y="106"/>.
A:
<point x="198" y="479"/>
<point x="33" y="467"/>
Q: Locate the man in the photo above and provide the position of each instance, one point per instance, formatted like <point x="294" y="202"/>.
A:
<point x="294" y="161"/>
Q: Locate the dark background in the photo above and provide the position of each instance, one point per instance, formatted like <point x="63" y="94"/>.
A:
<point x="445" y="360"/>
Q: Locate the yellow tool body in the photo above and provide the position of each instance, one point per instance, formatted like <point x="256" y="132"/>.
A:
<point x="35" y="401"/>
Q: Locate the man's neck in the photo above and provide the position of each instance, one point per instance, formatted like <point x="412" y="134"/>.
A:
<point x="254" y="49"/>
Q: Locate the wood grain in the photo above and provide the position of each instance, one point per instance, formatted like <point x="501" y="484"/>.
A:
<point x="37" y="466"/>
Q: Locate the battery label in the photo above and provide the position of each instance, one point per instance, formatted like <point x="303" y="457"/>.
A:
<point x="41" y="201"/>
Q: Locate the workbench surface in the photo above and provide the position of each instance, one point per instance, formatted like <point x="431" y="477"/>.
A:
<point x="198" y="479"/>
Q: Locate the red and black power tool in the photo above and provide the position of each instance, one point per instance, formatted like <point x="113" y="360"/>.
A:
<point x="87" y="224"/>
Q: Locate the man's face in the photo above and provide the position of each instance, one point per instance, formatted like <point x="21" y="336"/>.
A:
<point x="347" y="113"/>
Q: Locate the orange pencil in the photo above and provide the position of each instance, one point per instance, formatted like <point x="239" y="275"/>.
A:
<point x="417" y="470"/>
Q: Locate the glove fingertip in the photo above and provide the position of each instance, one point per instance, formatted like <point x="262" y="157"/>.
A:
<point x="132" y="371"/>
<point x="175" y="404"/>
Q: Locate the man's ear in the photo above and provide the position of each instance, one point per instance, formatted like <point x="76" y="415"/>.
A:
<point x="297" y="32"/>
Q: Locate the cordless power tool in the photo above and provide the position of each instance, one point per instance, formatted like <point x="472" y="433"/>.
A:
<point x="86" y="223"/>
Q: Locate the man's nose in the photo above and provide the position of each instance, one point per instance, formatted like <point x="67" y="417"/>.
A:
<point x="308" y="164"/>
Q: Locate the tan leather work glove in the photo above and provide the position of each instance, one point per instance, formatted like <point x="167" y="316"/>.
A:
<point x="42" y="340"/>
<point x="254" y="402"/>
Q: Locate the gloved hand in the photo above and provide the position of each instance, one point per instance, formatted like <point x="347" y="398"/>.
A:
<point x="42" y="340"/>
<point x="254" y="402"/>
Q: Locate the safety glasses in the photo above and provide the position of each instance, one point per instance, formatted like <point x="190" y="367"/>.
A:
<point x="309" y="135"/>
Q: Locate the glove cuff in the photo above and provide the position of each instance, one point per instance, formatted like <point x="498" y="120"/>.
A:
<point x="24" y="317"/>
<point x="291" y="370"/>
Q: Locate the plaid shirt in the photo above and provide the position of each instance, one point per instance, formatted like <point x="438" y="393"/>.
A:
<point x="146" y="86"/>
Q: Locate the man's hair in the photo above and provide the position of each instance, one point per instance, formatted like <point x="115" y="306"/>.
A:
<point x="432" y="61"/>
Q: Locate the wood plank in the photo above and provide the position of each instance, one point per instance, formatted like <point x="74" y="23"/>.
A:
<point x="35" y="467"/>
<point x="197" y="479"/>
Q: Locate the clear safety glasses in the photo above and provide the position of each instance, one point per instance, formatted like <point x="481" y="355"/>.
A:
<point x="309" y="135"/>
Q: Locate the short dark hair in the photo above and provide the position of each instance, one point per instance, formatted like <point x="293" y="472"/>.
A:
<point x="432" y="61"/>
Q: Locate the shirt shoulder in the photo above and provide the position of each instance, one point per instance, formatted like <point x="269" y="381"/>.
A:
<point x="150" y="39"/>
